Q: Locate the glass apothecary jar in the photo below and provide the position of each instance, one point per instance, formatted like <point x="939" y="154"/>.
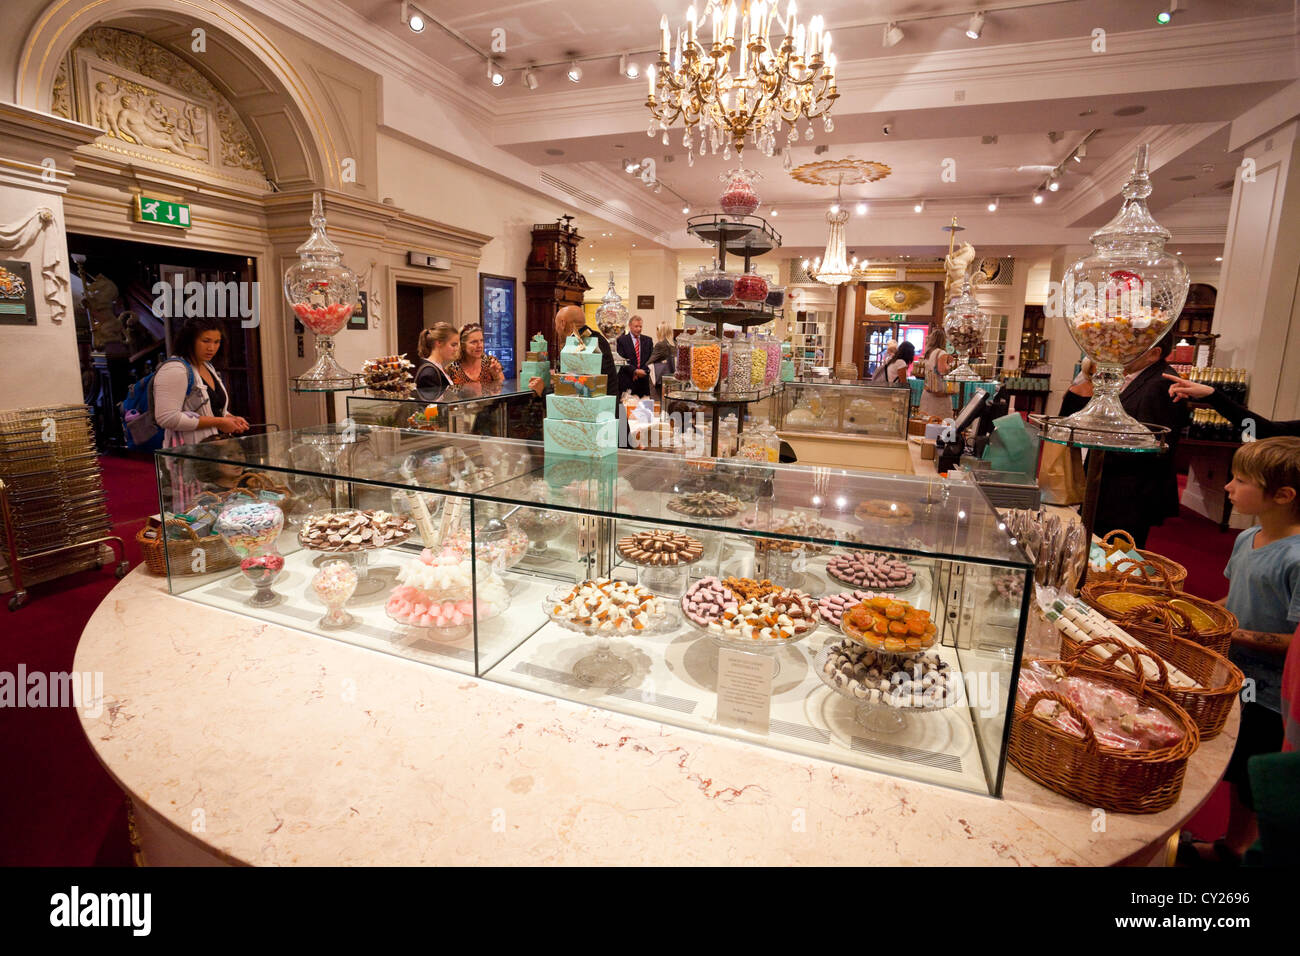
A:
<point x="965" y="325"/>
<point x="758" y="362"/>
<point x="1119" y="302"/>
<point x="716" y="285"/>
<point x="740" y="366"/>
<point x="775" y="295"/>
<point x="773" y="368"/>
<point x="751" y="287"/>
<point x="322" y="292"/>
<point x="682" y="360"/>
<point x="706" y="360"/>
<point x="739" y="198"/>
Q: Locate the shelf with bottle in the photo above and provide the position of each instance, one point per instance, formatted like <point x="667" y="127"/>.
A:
<point x="1209" y="425"/>
<point x="1230" y="381"/>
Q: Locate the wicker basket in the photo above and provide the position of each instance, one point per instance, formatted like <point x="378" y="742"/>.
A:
<point x="1146" y="621"/>
<point x="1154" y="569"/>
<point x="255" y="481"/>
<point x="157" y="549"/>
<point x="1208" y="705"/>
<point x="1144" y="781"/>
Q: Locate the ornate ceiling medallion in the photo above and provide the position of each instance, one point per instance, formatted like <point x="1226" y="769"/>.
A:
<point x="903" y="297"/>
<point x="833" y="172"/>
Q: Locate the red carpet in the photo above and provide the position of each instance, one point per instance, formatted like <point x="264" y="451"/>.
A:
<point x="59" y="807"/>
<point x="62" y="808"/>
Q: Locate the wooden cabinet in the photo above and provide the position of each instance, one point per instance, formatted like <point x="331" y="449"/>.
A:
<point x="552" y="279"/>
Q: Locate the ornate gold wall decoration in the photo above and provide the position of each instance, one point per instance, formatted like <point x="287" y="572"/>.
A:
<point x="178" y="112"/>
<point x="903" y="297"/>
<point x="828" y="172"/>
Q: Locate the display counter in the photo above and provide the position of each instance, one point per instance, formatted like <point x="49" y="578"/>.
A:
<point x="241" y="742"/>
<point x="501" y="409"/>
<point x="843" y="425"/>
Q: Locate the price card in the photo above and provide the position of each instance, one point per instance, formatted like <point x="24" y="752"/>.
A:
<point x="744" y="690"/>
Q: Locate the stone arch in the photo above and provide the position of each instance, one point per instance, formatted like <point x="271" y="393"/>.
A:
<point x="244" y="64"/>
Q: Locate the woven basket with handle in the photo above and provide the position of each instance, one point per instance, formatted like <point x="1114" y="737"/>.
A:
<point x="158" y="549"/>
<point x="1154" y="568"/>
<point x="1082" y="768"/>
<point x="1220" y="681"/>
<point x="1146" y="620"/>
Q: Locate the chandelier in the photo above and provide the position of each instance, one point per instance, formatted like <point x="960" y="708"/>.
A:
<point x="833" y="268"/>
<point x="725" y="99"/>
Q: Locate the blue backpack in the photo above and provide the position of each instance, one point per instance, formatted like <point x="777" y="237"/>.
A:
<point x="142" y="431"/>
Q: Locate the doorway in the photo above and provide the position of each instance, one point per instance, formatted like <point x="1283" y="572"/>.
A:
<point x="125" y="330"/>
<point x="418" y="308"/>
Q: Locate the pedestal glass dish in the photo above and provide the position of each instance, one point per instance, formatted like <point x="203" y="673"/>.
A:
<point x="323" y="293"/>
<point x="335" y="583"/>
<point x="965" y="325"/>
<point x="251" y="531"/>
<point x="1118" y="303"/>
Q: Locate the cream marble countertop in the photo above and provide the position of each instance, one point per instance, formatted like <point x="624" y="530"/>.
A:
<point x="303" y="750"/>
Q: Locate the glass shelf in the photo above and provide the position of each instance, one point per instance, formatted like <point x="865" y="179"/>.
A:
<point x="747" y="236"/>
<point x="724" y="398"/>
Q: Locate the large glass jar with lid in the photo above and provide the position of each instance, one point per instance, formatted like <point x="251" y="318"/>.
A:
<point x="740" y="367"/>
<point x="739" y="198"/>
<point x="706" y="360"/>
<point x="682" y="362"/>
<point x="965" y="325"/>
<point x="751" y="287"/>
<point x="758" y="361"/>
<point x="322" y="292"/>
<point x="1118" y="303"/>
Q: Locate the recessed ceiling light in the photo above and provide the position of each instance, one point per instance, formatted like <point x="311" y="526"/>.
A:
<point x="976" y="25"/>
<point x="860" y="209"/>
<point x="835" y="207"/>
<point x="686" y="210"/>
<point x="919" y="207"/>
<point x="993" y="204"/>
<point x="774" y="212"/>
<point x="575" y="72"/>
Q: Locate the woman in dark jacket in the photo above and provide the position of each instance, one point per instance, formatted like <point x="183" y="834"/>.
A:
<point x="439" y="345"/>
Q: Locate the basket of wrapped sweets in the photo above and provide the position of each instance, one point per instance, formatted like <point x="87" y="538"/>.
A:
<point x="1153" y="569"/>
<point x="1137" y="608"/>
<point x="1099" y="737"/>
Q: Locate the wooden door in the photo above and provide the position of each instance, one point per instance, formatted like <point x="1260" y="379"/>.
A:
<point x="410" y="319"/>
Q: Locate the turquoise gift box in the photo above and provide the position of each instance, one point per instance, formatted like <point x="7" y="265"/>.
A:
<point x="575" y="408"/>
<point x="531" y="369"/>
<point x="566" y="436"/>
<point x="579" y="357"/>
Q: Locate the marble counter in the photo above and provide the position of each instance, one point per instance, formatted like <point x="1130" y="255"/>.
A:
<point x="241" y="742"/>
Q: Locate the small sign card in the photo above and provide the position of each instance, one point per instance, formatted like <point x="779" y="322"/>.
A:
<point x="744" y="690"/>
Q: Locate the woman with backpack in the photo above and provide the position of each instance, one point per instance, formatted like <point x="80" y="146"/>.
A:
<point x="190" y="400"/>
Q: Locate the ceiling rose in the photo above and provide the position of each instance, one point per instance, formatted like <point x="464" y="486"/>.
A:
<point x="832" y="172"/>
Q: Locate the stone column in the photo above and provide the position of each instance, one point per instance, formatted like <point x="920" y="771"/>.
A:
<point x="1062" y="353"/>
<point x="652" y="272"/>
<point x="1257" y="313"/>
<point x="38" y="362"/>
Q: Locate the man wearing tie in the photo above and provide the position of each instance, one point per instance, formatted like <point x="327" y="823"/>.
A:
<point x="634" y="377"/>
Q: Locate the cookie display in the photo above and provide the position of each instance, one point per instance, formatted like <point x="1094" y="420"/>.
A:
<point x="342" y="531"/>
<point x="885" y="624"/>
<point x="924" y="682"/>
<point x="746" y="610"/>
<point x="831" y="607"/>
<point x="706" y="504"/>
<point x="871" y="569"/>
<point x="660" y="549"/>
<point x="603" y="606"/>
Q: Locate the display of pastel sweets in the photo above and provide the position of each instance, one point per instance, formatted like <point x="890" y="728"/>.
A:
<point x="580" y="357"/>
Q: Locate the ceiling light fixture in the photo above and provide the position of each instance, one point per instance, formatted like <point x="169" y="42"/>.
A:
<point x="575" y="72"/>
<point x="1081" y="152"/>
<point x="833" y="268"/>
<point x="1218" y="258"/>
<point x="412" y="17"/>
<point x="976" y="25"/>
<point x="686" y="210"/>
<point x="631" y="166"/>
<point x="993" y="205"/>
<point x="893" y="35"/>
<point x="773" y="212"/>
<point x="628" y="68"/>
<point x="919" y="207"/>
<point x="494" y="74"/>
<point x="860" y="209"/>
<point x="1053" y="183"/>
<point x="530" y="78"/>
<point x="1038" y="196"/>
<point x="835" y="208"/>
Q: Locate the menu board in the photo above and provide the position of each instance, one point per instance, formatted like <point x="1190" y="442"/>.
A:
<point x="497" y="316"/>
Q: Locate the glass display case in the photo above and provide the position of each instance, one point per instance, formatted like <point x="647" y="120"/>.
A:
<point x="876" y="410"/>
<point x="866" y="620"/>
<point x="501" y="409"/>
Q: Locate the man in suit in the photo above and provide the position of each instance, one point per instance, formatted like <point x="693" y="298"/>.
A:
<point x="634" y="377"/>
<point x="1138" y="491"/>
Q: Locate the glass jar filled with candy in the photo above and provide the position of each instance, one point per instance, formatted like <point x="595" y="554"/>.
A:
<point x="706" y="360"/>
<point x="966" y="325"/>
<point x="322" y="292"/>
<point x="773" y="367"/>
<point x="716" y="285"/>
<point x="1119" y="302"/>
<point x="751" y="287"/>
<point x="682" y="362"/>
<point x="739" y="198"/>
<point x="740" y="366"/>
<point x="758" y="361"/>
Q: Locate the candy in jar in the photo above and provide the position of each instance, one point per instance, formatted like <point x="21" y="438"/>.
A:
<point x="334" y="584"/>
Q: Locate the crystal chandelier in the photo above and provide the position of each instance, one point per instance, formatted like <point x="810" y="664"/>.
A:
<point x="724" y="100"/>
<point x="833" y="268"/>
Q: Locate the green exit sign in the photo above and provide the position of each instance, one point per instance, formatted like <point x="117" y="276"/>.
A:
<point x="897" y="317"/>
<point x="162" y="212"/>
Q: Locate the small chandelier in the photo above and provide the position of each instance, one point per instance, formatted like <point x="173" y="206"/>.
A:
<point x="833" y="268"/>
<point x="726" y="102"/>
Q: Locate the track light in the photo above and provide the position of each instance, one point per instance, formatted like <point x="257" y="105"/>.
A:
<point x="627" y="68"/>
<point x="993" y="204"/>
<point x="686" y="210"/>
<point x="772" y="213"/>
<point x="412" y="17"/>
<point x="530" y="78"/>
<point x="1038" y="196"/>
<point x="495" y="74"/>
<point x="631" y="166"/>
<point x="575" y="72"/>
<point x="1053" y="183"/>
<point x="893" y="35"/>
<point x="1081" y="152"/>
<point x="919" y="207"/>
<point x="835" y="207"/>
<point x="976" y="25"/>
<point x="860" y="209"/>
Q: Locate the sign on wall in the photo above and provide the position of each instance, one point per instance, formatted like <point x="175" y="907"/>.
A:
<point x="162" y="212"/>
<point x="645" y="302"/>
<point x="17" y="298"/>
<point x="497" y="316"/>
